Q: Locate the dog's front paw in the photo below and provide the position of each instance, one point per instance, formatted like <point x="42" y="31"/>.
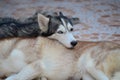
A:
<point x="41" y="78"/>
<point x="13" y="77"/>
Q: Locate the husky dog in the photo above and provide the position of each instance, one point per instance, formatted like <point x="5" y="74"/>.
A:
<point x="28" y="58"/>
<point x="57" y="27"/>
<point x="25" y="27"/>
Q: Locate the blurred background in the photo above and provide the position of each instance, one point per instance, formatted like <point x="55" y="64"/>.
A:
<point x="99" y="19"/>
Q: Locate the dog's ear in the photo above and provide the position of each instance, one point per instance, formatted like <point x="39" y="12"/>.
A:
<point x="43" y="22"/>
<point x="75" y="20"/>
<point x="61" y="14"/>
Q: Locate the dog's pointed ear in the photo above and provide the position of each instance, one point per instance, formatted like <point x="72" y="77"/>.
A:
<point x="61" y="14"/>
<point x="43" y="22"/>
<point x="75" y="20"/>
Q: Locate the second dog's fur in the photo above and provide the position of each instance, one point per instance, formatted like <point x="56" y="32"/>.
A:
<point x="26" y="59"/>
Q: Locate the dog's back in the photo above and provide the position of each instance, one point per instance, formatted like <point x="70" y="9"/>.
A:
<point x="98" y="60"/>
<point x="110" y="64"/>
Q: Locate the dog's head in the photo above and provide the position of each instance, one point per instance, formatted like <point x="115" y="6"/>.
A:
<point x="59" y="28"/>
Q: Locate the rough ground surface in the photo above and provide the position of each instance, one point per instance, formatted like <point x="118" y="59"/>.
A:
<point x="99" y="19"/>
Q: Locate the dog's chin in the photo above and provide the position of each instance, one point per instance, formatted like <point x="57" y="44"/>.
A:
<point x="69" y="47"/>
<point x="66" y="46"/>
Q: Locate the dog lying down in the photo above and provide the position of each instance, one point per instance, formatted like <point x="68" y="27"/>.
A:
<point x="26" y="59"/>
<point x="28" y="27"/>
<point x="51" y="57"/>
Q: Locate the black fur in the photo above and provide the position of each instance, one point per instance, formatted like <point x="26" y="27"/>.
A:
<point x="28" y="28"/>
<point x="10" y="27"/>
<point x="52" y="26"/>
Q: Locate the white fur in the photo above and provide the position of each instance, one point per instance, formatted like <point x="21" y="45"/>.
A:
<point x="87" y="76"/>
<point x="64" y="23"/>
<point x="24" y="74"/>
<point x="116" y="76"/>
<point x="45" y="58"/>
<point x="49" y="64"/>
<point x="13" y="63"/>
<point x="69" y="26"/>
<point x="62" y="28"/>
<point x="65" y="38"/>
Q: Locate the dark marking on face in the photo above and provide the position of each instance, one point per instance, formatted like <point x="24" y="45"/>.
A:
<point x="54" y="23"/>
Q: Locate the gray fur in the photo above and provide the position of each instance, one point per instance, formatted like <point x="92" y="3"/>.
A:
<point x="10" y="27"/>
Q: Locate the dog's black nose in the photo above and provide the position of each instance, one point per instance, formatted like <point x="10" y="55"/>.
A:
<point x="73" y="43"/>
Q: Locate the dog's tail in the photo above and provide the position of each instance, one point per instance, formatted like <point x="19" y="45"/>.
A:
<point x="116" y="76"/>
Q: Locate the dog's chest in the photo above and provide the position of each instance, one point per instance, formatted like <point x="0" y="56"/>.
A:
<point x="58" y="66"/>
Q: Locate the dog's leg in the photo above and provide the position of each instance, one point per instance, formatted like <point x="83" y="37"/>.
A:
<point x="41" y="78"/>
<point x="87" y="76"/>
<point x="11" y="77"/>
<point x="28" y="73"/>
<point x="97" y="74"/>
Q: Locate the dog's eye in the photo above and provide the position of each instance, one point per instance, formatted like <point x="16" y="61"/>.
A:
<point x="60" y="32"/>
<point x="71" y="29"/>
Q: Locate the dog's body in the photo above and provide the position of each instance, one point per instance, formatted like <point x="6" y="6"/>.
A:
<point x="26" y="59"/>
<point x="34" y="58"/>
<point x="101" y="61"/>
